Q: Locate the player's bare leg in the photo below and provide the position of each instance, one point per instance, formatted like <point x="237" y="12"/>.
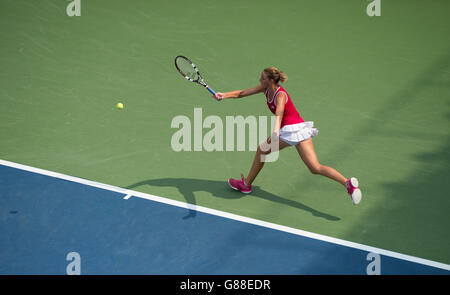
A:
<point x="306" y="151"/>
<point x="258" y="164"/>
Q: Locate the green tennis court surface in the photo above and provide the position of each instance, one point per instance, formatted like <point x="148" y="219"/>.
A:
<point x="377" y="88"/>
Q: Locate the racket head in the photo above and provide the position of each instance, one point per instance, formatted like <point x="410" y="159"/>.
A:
<point x="187" y="68"/>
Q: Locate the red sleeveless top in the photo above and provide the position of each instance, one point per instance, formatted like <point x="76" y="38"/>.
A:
<point x="291" y="116"/>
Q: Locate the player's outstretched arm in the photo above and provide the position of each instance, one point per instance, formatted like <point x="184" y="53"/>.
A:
<point x="239" y="93"/>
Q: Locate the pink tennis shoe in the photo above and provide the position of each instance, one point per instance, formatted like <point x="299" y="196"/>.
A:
<point x="240" y="185"/>
<point x="353" y="190"/>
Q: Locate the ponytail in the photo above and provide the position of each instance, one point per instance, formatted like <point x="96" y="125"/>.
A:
<point x="276" y="75"/>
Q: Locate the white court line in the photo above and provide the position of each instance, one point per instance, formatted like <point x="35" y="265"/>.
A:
<point x="131" y="193"/>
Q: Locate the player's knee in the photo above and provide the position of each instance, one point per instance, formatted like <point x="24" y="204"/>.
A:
<point x="315" y="169"/>
<point x="263" y="150"/>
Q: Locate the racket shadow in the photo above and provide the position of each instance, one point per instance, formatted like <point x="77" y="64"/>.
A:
<point x="187" y="187"/>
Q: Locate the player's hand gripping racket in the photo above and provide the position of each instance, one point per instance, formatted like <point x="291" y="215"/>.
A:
<point x="190" y="71"/>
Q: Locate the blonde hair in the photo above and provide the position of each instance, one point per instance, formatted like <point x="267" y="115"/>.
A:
<point x="276" y="75"/>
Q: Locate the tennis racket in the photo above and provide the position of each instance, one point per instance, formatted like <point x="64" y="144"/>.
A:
<point x="190" y="71"/>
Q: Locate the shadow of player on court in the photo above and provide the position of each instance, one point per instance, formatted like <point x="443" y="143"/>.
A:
<point x="187" y="187"/>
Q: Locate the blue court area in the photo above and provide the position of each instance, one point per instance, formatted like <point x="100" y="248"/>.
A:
<point x="45" y="218"/>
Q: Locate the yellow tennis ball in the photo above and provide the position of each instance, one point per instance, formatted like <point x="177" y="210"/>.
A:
<point x="119" y="105"/>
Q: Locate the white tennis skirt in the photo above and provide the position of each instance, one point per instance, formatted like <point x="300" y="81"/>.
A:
<point x="293" y="134"/>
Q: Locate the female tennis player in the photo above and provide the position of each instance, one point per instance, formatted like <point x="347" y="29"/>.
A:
<point x="290" y="130"/>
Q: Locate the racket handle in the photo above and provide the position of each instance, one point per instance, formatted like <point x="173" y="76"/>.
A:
<point x="210" y="90"/>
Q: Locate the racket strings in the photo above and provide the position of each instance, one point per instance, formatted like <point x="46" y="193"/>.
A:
<point x="187" y="69"/>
